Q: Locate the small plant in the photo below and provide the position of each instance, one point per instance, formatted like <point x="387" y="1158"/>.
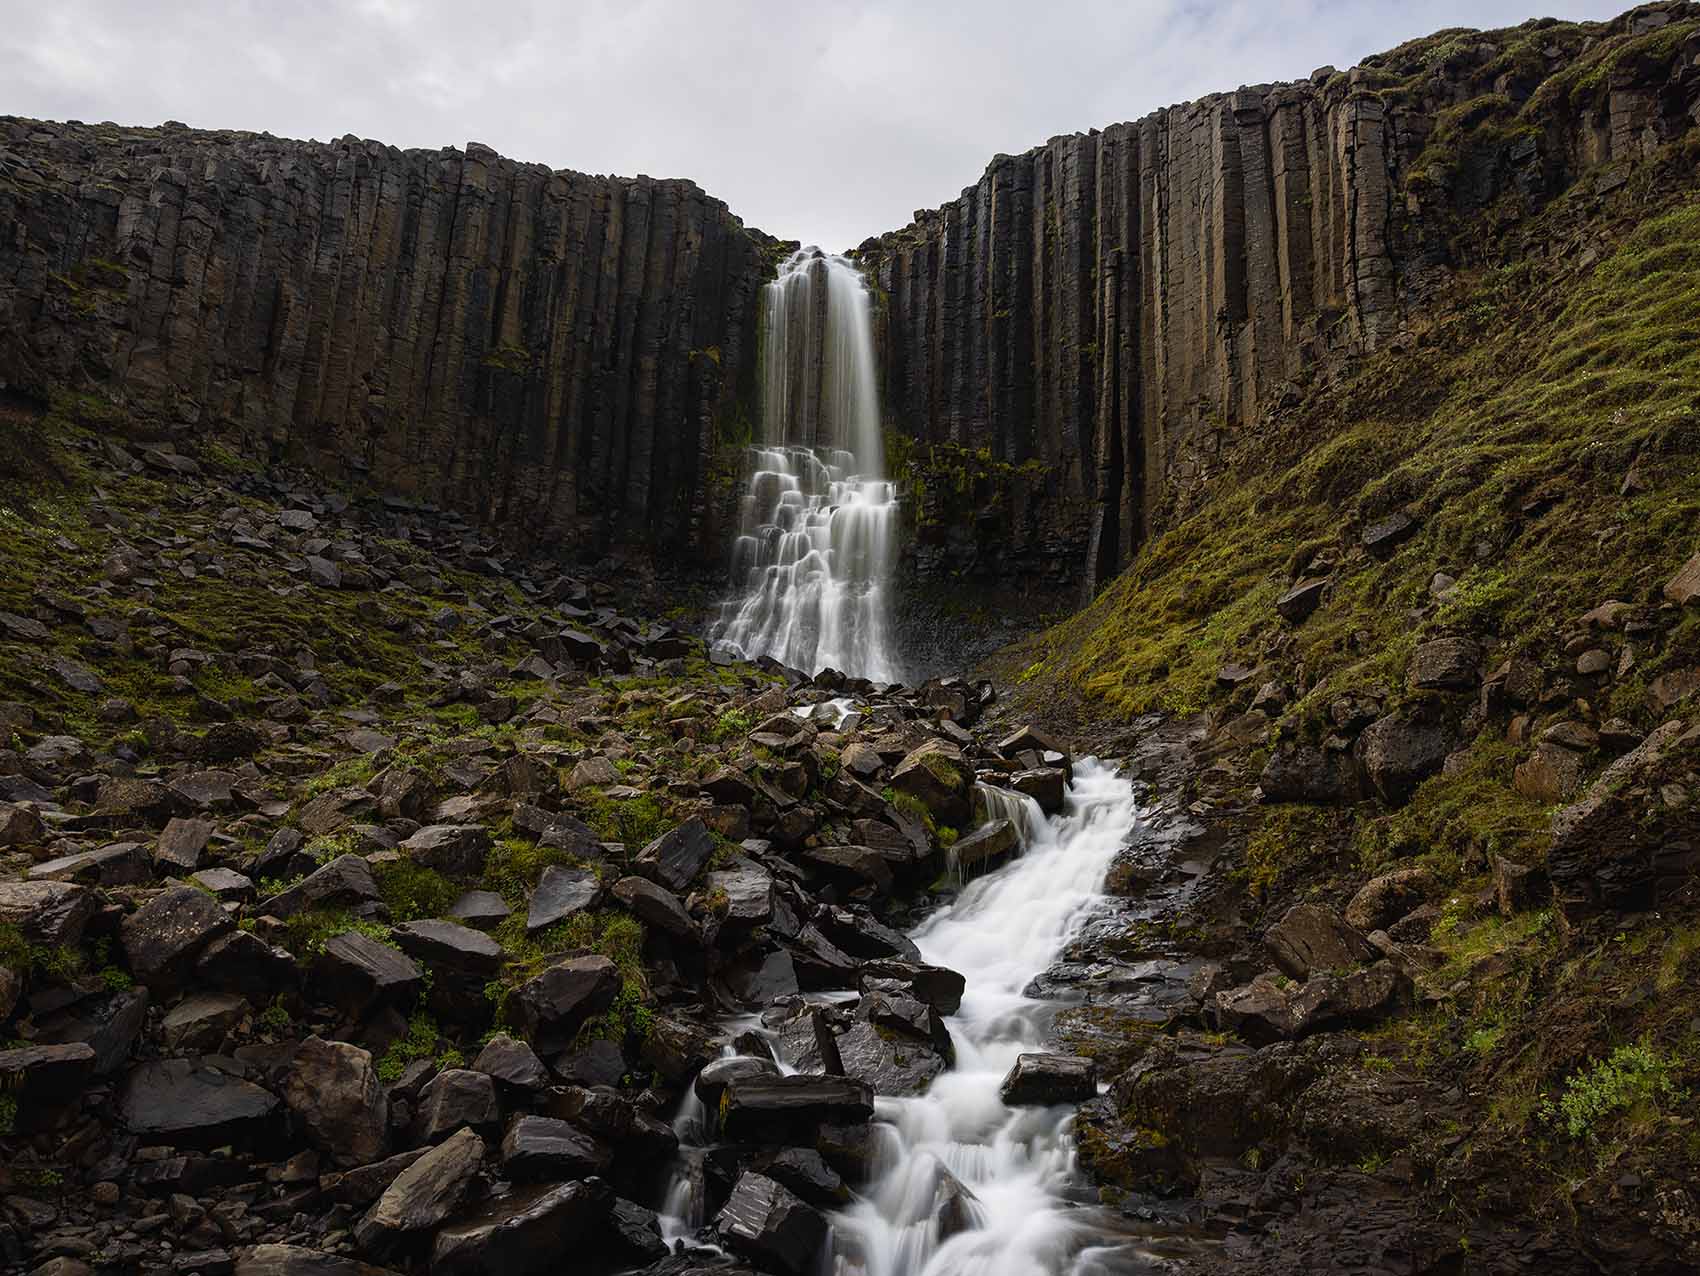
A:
<point x="8" y="1114"/>
<point x="420" y="1042"/>
<point x="1633" y="1077"/>
<point x="275" y="1018"/>
<point x="732" y="722"/>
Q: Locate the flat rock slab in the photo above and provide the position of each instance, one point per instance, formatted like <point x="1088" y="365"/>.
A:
<point x="1049" y="1078"/>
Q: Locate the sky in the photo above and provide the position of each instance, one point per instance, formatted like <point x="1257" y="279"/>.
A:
<point x="826" y="123"/>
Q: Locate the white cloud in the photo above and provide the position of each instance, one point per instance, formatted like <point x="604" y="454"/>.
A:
<point x="810" y="121"/>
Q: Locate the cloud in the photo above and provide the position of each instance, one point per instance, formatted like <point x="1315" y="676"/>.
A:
<point x="820" y="122"/>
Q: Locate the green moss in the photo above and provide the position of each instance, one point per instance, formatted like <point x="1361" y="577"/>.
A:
<point x="307" y="933"/>
<point x="413" y="892"/>
<point x="421" y="1041"/>
<point x="633" y="821"/>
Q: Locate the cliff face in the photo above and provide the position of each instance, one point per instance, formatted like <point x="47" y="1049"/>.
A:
<point x="1116" y="305"/>
<point x="548" y="351"/>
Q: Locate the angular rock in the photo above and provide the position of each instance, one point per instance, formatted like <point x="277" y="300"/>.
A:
<point x="1382" y="537"/>
<point x="766" y="1223"/>
<point x="675" y="858"/>
<point x="180" y="1101"/>
<point x="456" y="1098"/>
<point x="244" y="963"/>
<point x="1684" y="587"/>
<point x="451" y="947"/>
<point x="939" y="987"/>
<point x="162" y="938"/>
<point x="345" y="883"/>
<point x="458" y="850"/>
<point x="1305" y="773"/>
<point x="779" y="1109"/>
<point x="481" y="910"/>
<point x="1297" y="604"/>
<point x="986" y="846"/>
<point x="1310" y="938"/>
<point x="1446" y="664"/>
<point x="181" y="844"/>
<point x="52" y="914"/>
<point x="333" y="1090"/>
<point x="200" y="1023"/>
<point x="41" y="1079"/>
<point x="551" y="1007"/>
<point x="1398" y="753"/>
<point x="561" y="893"/>
<point x="935" y="774"/>
<point x="1049" y="1078"/>
<point x="423" y="1194"/>
<point x="523" y="1233"/>
<point x="512" y="1065"/>
<point x="542" y="1149"/>
<point x="355" y="973"/>
<point x="298" y="1260"/>
<point x="1384" y="900"/>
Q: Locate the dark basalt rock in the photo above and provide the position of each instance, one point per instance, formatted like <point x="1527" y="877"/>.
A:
<point x="768" y="1224"/>
<point x="424" y="1193"/>
<point x="539" y="1148"/>
<point x="457" y="1098"/>
<point x="162" y="938"/>
<point x="1049" y="1078"/>
<point x="675" y="858"/>
<point x="940" y="988"/>
<point x="512" y="1065"/>
<point x="560" y="893"/>
<point x="523" y="1233"/>
<point x="551" y="1007"/>
<point x="452" y="947"/>
<point x="53" y="914"/>
<point x="333" y="1090"/>
<point x="356" y="973"/>
<point x="110" y="1025"/>
<point x="712" y="1081"/>
<point x="41" y="1079"/>
<point x="192" y="1104"/>
<point x="346" y="882"/>
<point x="774" y="1109"/>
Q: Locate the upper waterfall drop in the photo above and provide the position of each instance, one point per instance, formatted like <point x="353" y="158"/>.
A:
<point x="817" y="535"/>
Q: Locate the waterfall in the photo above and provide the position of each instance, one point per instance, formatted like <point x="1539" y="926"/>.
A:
<point x="1017" y="1163"/>
<point x="816" y="544"/>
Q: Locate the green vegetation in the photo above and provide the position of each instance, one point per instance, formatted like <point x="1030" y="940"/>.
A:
<point x="1633" y="1079"/>
<point x="308" y="932"/>
<point x="421" y="1041"/>
<point x="413" y="892"/>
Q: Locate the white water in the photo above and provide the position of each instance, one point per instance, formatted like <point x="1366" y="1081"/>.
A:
<point x="1002" y="930"/>
<point x="812" y="563"/>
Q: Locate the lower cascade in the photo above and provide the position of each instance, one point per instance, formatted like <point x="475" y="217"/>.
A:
<point x="962" y="1183"/>
<point x="817" y="534"/>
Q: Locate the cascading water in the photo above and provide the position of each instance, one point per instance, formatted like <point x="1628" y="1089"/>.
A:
<point x="1017" y="1162"/>
<point x="812" y="563"/>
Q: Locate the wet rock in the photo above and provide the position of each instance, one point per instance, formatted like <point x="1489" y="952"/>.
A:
<point x="986" y="846"/>
<point x="756" y="978"/>
<point x="523" y="1233"/>
<point x="675" y="858"/>
<point x="787" y="1109"/>
<point x="332" y="1088"/>
<point x="539" y="1148"/>
<point x="1048" y="1079"/>
<point x="1045" y="785"/>
<point x="748" y="894"/>
<point x="849" y="868"/>
<point x="52" y="914"/>
<point x="561" y="893"/>
<point x="1029" y="739"/>
<point x="162" y="938"/>
<point x="1310" y="937"/>
<point x="888" y="1062"/>
<point x="712" y="1081"/>
<point x="423" y="1194"/>
<point x="805" y="1172"/>
<point x="860" y="934"/>
<point x="939" y="987"/>
<point x="180" y="1101"/>
<point x="1267" y="1010"/>
<point x="552" y="1006"/>
<point x="768" y="1224"/>
<point x="356" y="973"/>
<point x="455" y="1098"/>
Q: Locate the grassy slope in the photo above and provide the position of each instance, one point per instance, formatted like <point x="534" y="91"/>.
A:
<point x="1507" y="430"/>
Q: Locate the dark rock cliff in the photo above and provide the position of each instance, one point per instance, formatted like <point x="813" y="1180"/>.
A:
<point x="548" y="351"/>
<point x="1117" y="304"/>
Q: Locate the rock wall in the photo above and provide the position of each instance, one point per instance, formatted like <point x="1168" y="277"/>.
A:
<point x="548" y="351"/>
<point x="1120" y="304"/>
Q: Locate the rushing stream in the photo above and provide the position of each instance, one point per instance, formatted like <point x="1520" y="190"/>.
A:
<point x="1018" y="1163"/>
<point x="817" y="533"/>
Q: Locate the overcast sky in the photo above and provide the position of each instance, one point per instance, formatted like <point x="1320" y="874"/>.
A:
<point x="824" y="122"/>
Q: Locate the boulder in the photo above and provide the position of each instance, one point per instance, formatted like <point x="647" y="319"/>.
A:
<point x="1297" y="604"/>
<point x="543" y="1149"/>
<point x="482" y="910"/>
<point x="356" y="973"/>
<point x="849" y="868"/>
<point x="457" y="1098"/>
<point x="192" y="1104"/>
<point x="768" y="1224"/>
<point x="1382" y="537"/>
<point x="888" y="1062"/>
<point x="656" y="907"/>
<point x="181" y="843"/>
<point x="525" y="1232"/>
<point x="19" y="826"/>
<point x="775" y="1109"/>
<point x="162" y="938"/>
<point x="1384" y="900"/>
<point x="938" y="986"/>
<point x="1049" y="1078"/>
<point x="423" y="1194"/>
<point x="53" y="914"/>
<point x="1305" y="773"/>
<point x="1268" y="1010"/>
<point x="512" y="1065"/>
<point x="333" y="1090"/>
<point x="561" y="893"/>
<point x="1683" y="588"/>
<point x="201" y="1022"/>
<point x="345" y="883"/>
<point x="1046" y="785"/>
<point x="448" y="946"/>
<point x="458" y="850"/>
<point x="109" y="1025"/>
<point x="1551" y="774"/>
<point x="935" y="774"/>
<point x="1399" y="752"/>
<point x="1446" y="664"/>
<point x="712" y="1081"/>
<point x="551" y="1007"/>
<point x="675" y="858"/>
<point x="1311" y="937"/>
<point x="991" y="843"/>
<point x="41" y="1079"/>
<point x="805" y="1172"/>
<point x="242" y="962"/>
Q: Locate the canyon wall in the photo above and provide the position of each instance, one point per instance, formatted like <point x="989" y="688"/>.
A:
<point x="1119" y="305"/>
<point x="1070" y="349"/>
<point x="548" y="351"/>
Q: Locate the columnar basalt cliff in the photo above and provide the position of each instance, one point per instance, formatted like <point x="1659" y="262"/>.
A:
<point x="548" y="351"/>
<point x="1116" y="304"/>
